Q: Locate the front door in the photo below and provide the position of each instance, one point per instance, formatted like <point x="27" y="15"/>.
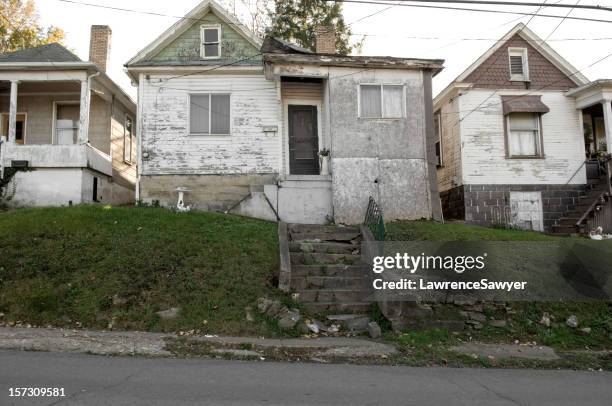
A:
<point x="303" y="140"/>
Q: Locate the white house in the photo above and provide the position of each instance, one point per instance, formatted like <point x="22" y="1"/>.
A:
<point x="68" y="131"/>
<point x="511" y="143"/>
<point x="239" y="125"/>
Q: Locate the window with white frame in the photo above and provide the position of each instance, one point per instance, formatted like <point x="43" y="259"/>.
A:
<point x="209" y="114"/>
<point x="211" y="41"/>
<point x="438" y="136"/>
<point x="381" y="101"/>
<point x="524" y="135"/>
<point x="519" y="65"/>
<point x="128" y="139"/>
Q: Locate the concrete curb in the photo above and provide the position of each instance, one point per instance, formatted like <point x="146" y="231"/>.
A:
<point x="156" y="344"/>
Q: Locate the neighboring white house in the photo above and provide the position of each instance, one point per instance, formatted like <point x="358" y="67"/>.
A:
<point x="68" y="131"/>
<point x="239" y="125"/>
<point x="511" y="144"/>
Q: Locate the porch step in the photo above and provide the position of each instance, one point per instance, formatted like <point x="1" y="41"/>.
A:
<point x="326" y="248"/>
<point x="333" y="295"/>
<point x="321" y="258"/>
<point x="340" y="270"/>
<point x="353" y="307"/>
<point x="329" y="282"/>
<point x="327" y="273"/>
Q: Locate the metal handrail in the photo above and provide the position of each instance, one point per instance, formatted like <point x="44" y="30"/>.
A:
<point x="374" y="220"/>
<point x="600" y="199"/>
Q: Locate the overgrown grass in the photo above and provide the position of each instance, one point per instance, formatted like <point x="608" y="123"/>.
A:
<point x="432" y="231"/>
<point x="99" y="266"/>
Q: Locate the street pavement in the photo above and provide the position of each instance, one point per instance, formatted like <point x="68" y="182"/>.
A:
<point x="98" y="380"/>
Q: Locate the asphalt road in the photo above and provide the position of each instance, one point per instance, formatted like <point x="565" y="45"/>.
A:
<point x="93" y="380"/>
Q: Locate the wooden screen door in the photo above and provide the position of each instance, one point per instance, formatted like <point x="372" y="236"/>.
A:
<point x="303" y="140"/>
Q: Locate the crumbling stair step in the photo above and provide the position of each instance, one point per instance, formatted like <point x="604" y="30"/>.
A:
<point x="328" y="270"/>
<point x="320" y="258"/>
<point x="333" y="295"/>
<point x="353" y="307"/>
<point x="325" y="247"/>
<point x="329" y="282"/>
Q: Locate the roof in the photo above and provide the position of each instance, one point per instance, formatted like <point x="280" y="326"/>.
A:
<point x="184" y="24"/>
<point x="57" y="57"/>
<point x="45" y="53"/>
<point x="595" y="84"/>
<point x="276" y="50"/>
<point x="534" y="40"/>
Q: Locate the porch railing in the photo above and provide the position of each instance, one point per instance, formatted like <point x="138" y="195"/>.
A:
<point x="599" y="213"/>
<point x="375" y="220"/>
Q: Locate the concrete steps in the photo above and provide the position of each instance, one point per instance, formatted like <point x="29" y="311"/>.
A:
<point x="327" y="274"/>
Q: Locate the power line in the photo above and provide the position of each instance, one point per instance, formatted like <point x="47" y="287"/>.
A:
<point x="479" y="38"/>
<point x="510" y="3"/>
<point x="561" y="22"/>
<point x="481" y="10"/>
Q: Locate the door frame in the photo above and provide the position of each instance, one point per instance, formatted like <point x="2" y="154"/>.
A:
<point x="54" y="117"/>
<point x="25" y="123"/>
<point x="298" y="102"/>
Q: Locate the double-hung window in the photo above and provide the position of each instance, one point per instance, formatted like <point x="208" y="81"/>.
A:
<point x="519" y="66"/>
<point x="524" y="135"/>
<point x="381" y="101"/>
<point x="438" y="137"/>
<point x="211" y="41"/>
<point x="210" y="114"/>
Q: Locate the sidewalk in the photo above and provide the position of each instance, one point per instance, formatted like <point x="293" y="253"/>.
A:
<point x="169" y="345"/>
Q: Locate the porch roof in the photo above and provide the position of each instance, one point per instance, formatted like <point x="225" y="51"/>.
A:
<point x="45" y="53"/>
<point x="597" y="84"/>
<point x="278" y="51"/>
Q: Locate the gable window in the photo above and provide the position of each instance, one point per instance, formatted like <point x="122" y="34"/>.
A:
<point x="381" y="101"/>
<point x="128" y="139"/>
<point x="524" y="135"/>
<point x="209" y="114"/>
<point x="519" y="66"/>
<point x="211" y="41"/>
<point x="438" y="137"/>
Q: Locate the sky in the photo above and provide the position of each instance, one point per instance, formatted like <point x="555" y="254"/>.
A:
<point x="458" y="37"/>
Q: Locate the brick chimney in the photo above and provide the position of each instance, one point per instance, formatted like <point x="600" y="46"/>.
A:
<point x="100" y="45"/>
<point x="326" y="39"/>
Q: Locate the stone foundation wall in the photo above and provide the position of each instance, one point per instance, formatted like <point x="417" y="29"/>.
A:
<point x="206" y="192"/>
<point x="490" y="204"/>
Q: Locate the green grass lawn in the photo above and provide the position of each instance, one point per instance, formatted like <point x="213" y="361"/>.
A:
<point x="432" y="231"/>
<point x="99" y="266"/>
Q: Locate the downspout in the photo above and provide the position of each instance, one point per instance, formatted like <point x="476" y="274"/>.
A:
<point x="89" y="78"/>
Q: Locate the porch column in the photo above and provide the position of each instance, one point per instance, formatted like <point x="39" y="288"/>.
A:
<point x="12" y="129"/>
<point x="83" y="136"/>
<point x="607" y="111"/>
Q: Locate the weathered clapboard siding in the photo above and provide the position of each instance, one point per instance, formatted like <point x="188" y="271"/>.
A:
<point x="172" y="150"/>
<point x="449" y="175"/>
<point x="483" y="149"/>
<point x="186" y="47"/>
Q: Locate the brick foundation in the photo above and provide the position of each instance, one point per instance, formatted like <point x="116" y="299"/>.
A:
<point x="490" y="204"/>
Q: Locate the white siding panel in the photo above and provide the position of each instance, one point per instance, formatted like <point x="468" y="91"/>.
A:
<point x="449" y="175"/>
<point x="172" y="150"/>
<point x="483" y="148"/>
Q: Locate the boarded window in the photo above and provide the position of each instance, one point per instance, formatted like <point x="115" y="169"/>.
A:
<point x="524" y="135"/>
<point x="519" y="69"/>
<point x="128" y="140"/>
<point x="438" y="137"/>
<point x="211" y="41"/>
<point x="210" y="114"/>
<point x="381" y="101"/>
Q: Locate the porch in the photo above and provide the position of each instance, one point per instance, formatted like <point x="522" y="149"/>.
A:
<point x="45" y="122"/>
<point x="594" y="104"/>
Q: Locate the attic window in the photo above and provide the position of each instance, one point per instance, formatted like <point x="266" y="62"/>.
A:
<point x="211" y="41"/>
<point x="519" y="67"/>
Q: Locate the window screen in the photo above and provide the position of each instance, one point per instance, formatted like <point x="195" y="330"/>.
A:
<point x="210" y="114"/>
